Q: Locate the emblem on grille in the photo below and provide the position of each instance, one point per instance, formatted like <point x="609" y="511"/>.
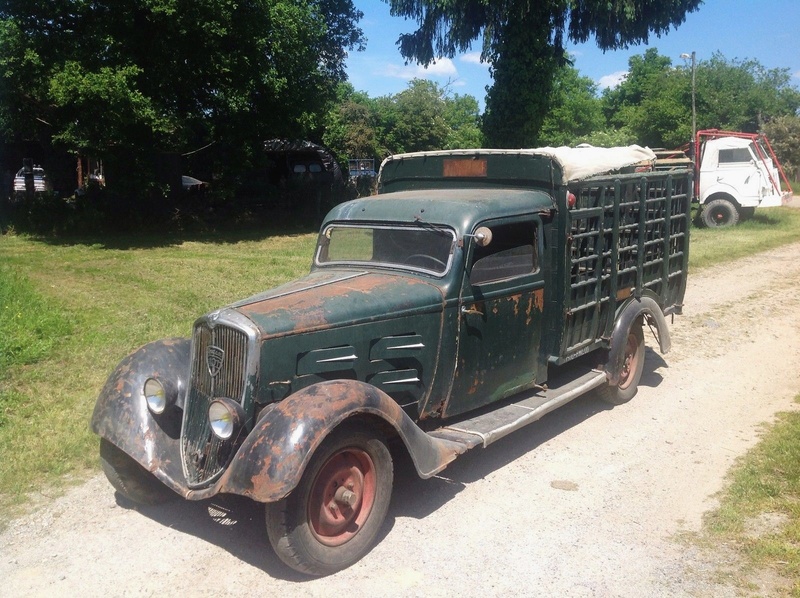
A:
<point x="214" y="358"/>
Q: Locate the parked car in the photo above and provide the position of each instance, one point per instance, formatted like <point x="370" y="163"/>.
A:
<point x="41" y="182"/>
<point x="479" y="291"/>
<point x="192" y="185"/>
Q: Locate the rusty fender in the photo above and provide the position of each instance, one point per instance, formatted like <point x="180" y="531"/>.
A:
<point x="272" y="459"/>
<point x="646" y="307"/>
<point x="121" y="415"/>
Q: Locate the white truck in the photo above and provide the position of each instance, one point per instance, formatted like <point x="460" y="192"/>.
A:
<point x="734" y="174"/>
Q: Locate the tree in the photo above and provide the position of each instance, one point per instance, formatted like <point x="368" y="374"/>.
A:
<point x="425" y="116"/>
<point x="128" y="79"/>
<point x="575" y="110"/>
<point x="654" y="101"/>
<point x="523" y="42"/>
<point x="783" y="133"/>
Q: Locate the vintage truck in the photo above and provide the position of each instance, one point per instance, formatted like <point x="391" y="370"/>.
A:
<point x="478" y="291"/>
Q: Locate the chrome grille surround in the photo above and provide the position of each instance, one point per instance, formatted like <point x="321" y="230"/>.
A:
<point x="224" y="363"/>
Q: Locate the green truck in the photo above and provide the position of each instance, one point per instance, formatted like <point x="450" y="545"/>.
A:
<point x="479" y="290"/>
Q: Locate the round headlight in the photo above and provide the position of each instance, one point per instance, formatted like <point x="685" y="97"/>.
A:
<point x="155" y="395"/>
<point x="224" y="418"/>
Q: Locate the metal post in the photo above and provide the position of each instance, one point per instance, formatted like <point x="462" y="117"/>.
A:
<point x="693" y="56"/>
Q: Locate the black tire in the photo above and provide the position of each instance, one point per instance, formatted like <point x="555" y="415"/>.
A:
<point x="718" y="213"/>
<point x="632" y="368"/>
<point x="314" y="530"/>
<point x="130" y="479"/>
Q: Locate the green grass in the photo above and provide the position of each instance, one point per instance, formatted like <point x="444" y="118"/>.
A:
<point x="765" y="481"/>
<point x="769" y="228"/>
<point x="70" y="309"/>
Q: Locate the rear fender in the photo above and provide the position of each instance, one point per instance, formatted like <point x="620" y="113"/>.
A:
<point x="121" y="415"/>
<point x="272" y="459"/>
<point x="644" y="308"/>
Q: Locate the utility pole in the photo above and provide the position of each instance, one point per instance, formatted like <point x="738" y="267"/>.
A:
<point x="694" y="93"/>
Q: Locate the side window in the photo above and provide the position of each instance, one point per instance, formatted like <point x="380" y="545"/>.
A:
<point x="512" y="252"/>
<point x="734" y="156"/>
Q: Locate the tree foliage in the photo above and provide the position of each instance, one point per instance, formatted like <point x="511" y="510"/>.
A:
<point x="575" y="111"/>
<point x="116" y="77"/>
<point x="654" y="101"/>
<point x="784" y="136"/>
<point x="424" y="116"/>
<point x="523" y="42"/>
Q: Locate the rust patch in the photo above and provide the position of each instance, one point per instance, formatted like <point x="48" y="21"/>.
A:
<point x="471" y="167"/>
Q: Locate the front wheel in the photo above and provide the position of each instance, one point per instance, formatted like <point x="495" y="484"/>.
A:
<point x="332" y="518"/>
<point x="719" y="212"/>
<point x="632" y="366"/>
<point x="130" y="479"/>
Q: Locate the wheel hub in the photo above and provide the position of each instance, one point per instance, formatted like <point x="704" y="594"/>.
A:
<point x="342" y="497"/>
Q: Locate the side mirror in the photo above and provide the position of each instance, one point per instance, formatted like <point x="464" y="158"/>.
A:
<point x="483" y="236"/>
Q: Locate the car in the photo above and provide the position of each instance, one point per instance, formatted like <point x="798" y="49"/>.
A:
<point x="41" y="182"/>
<point x="478" y="291"/>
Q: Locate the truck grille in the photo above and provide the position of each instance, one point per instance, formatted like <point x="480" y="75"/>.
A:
<point x="219" y="369"/>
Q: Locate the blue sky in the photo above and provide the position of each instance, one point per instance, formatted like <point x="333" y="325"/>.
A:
<point x="766" y="30"/>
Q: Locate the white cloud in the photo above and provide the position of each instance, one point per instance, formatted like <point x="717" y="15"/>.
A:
<point x="797" y="75"/>
<point x="612" y="80"/>
<point x="471" y="57"/>
<point x="442" y="68"/>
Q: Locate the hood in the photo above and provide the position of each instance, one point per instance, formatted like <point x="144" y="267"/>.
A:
<point x="327" y="299"/>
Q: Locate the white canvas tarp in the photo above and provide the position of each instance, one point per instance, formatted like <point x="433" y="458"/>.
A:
<point x="577" y="163"/>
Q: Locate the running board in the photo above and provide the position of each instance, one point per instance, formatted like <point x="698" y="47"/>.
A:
<point x="524" y="409"/>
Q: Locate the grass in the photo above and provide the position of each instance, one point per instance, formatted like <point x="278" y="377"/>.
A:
<point x="769" y="228"/>
<point x="70" y="309"/>
<point x="759" y="512"/>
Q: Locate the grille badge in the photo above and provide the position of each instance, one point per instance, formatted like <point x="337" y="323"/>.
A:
<point x="214" y="359"/>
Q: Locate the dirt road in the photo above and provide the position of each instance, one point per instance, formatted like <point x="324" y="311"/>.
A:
<point x="589" y="501"/>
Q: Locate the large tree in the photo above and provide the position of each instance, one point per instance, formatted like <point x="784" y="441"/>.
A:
<point x="523" y="41"/>
<point x="127" y="77"/>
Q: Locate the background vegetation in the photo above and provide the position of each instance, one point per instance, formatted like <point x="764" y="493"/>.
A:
<point x="161" y="88"/>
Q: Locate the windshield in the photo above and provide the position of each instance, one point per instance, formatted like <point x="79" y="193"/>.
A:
<point x="413" y="248"/>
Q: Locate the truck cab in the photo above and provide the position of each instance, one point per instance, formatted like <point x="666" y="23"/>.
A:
<point x="736" y="173"/>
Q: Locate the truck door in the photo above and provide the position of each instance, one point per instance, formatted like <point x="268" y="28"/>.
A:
<point x="500" y="323"/>
<point x="738" y="169"/>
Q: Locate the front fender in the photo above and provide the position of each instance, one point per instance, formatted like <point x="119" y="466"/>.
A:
<point x="121" y="415"/>
<point x="631" y="311"/>
<point x="273" y="457"/>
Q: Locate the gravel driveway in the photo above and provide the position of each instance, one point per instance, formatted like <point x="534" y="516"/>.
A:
<point x="589" y="501"/>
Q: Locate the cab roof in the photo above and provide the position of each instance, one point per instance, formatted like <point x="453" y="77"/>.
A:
<point x="460" y="208"/>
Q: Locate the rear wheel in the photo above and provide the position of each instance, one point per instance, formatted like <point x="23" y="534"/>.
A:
<point x="632" y="366"/>
<point x="332" y="518"/>
<point x="130" y="479"/>
<point x="719" y="212"/>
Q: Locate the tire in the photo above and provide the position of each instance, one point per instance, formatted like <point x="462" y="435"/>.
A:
<point x="130" y="479"/>
<point x="718" y="213"/>
<point x="332" y="518"/>
<point x="632" y="368"/>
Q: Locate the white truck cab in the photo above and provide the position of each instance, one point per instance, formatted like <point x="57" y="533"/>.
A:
<point x="736" y="173"/>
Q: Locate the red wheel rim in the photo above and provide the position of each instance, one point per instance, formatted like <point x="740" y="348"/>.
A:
<point x="342" y="496"/>
<point x="630" y="363"/>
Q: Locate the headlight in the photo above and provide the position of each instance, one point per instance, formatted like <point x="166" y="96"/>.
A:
<point x="225" y="417"/>
<point x="155" y="395"/>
